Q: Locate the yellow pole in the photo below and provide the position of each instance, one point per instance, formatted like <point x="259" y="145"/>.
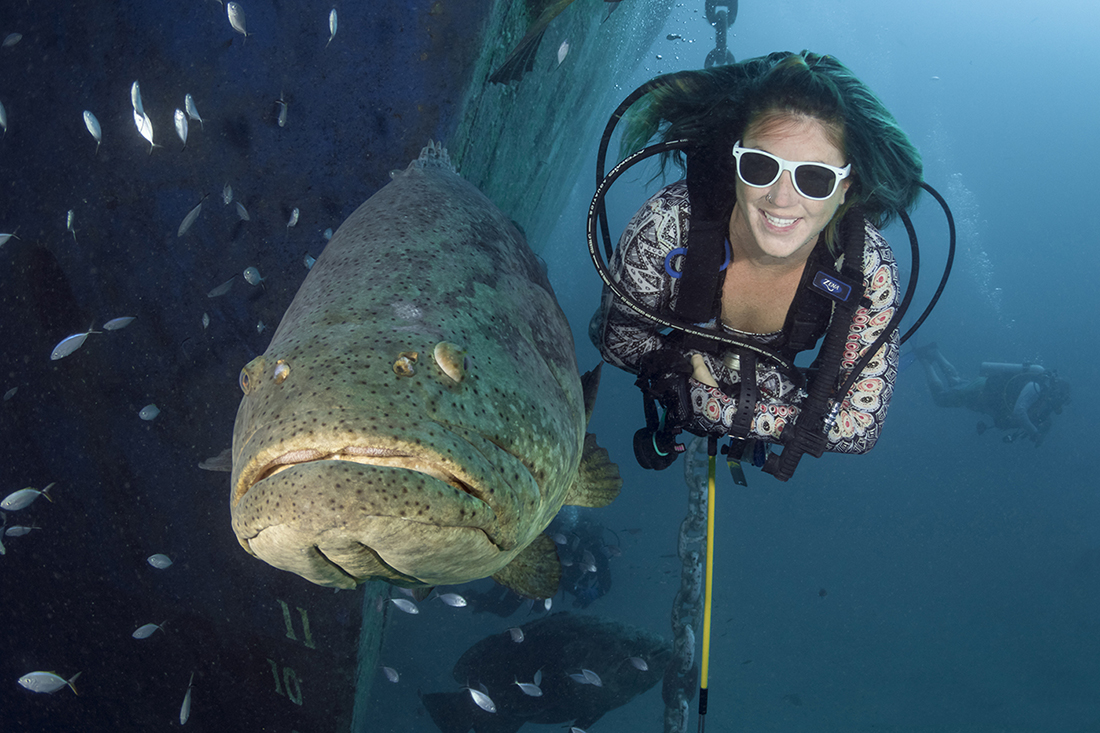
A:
<point x="712" y="450"/>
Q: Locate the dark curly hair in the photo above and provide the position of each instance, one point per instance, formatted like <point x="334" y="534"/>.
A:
<point x="713" y="108"/>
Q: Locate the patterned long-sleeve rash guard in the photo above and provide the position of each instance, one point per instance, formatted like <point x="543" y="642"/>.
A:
<point x="624" y="337"/>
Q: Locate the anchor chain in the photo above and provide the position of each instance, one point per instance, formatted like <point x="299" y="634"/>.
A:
<point x="720" y="15"/>
<point x="681" y="677"/>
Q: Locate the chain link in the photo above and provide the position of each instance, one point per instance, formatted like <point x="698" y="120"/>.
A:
<point x="681" y="676"/>
<point x="721" y="15"/>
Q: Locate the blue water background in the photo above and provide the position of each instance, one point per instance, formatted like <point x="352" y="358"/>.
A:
<point x="962" y="574"/>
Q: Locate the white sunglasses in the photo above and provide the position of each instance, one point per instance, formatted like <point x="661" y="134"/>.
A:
<point x="760" y="169"/>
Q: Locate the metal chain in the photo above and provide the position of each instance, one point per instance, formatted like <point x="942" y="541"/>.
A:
<point x="681" y="676"/>
<point x="720" y="15"/>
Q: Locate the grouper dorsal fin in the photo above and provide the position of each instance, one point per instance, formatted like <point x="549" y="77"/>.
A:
<point x="598" y="481"/>
<point x="535" y="572"/>
<point x="434" y="155"/>
<point x="590" y="384"/>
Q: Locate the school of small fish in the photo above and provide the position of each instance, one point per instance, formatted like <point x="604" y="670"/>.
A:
<point x="48" y="681"/>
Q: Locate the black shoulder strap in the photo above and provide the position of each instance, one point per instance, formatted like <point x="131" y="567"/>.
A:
<point x="710" y="190"/>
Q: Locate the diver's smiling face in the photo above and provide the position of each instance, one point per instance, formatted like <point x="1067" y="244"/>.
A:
<point x="776" y="224"/>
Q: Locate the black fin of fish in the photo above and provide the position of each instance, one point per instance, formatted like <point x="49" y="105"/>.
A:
<point x="590" y="385"/>
<point x="421" y="592"/>
<point x="520" y="61"/>
<point x="535" y="572"/>
<point x="598" y="481"/>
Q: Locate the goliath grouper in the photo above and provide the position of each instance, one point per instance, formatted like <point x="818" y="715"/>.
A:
<point x="627" y="660"/>
<point x="418" y="416"/>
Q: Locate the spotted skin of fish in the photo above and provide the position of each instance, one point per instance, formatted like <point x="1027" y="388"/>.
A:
<point x="373" y="460"/>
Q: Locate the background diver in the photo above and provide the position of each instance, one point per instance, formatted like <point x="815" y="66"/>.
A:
<point x="1022" y="399"/>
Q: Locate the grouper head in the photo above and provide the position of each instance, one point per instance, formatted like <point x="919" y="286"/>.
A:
<point x="418" y="416"/>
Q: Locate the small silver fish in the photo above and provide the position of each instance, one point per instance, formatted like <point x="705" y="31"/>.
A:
<point x="327" y="234"/>
<point x="293" y="218"/>
<point x="483" y="701"/>
<point x="308" y="261"/>
<point x="547" y="603"/>
<point x="117" y="323"/>
<point x="222" y="289"/>
<point x="282" y="111"/>
<point x="69" y="217"/>
<point x="185" y="708"/>
<point x="190" y="218"/>
<point x="94" y="129"/>
<point x="563" y="51"/>
<point x="639" y="663"/>
<point x="144" y="632"/>
<point x="261" y="327"/>
<point x="181" y="125"/>
<point x="453" y="599"/>
<point x="3" y="118"/>
<point x="538" y="676"/>
<point x="149" y="412"/>
<point x="575" y="729"/>
<point x="227" y="194"/>
<point x="331" y="26"/>
<point x="159" y="561"/>
<point x="20" y="530"/>
<point x="529" y="689"/>
<point x="588" y="562"/>
<point x="145" y="127"/>
<point x="516" y="633"/>
<point x="23" y="498"/>
<point x="206" y="320"/>
<point x="559" y="539"/>
<point x="135" y="100"/>
<point x="69" y="344"/>
<point x="47" y="681"/>
<point x="592" y="677"/>
<point x="10" y="393"/>
<point x="252" y="276"/>
<point x="236" y="18"/>
<point x="11" y="39"/>
<point x="243" y="212"/>
<point x="192" y="110"/>
<point x="579" y="678"/>
<point x="404" y="605"/>
<point x="391" y="674"/>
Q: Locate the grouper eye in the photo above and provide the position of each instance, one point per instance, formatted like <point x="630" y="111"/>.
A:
<point x="246" y="385"/>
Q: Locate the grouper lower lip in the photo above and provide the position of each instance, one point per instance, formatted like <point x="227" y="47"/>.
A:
<point x="366" y="455"/>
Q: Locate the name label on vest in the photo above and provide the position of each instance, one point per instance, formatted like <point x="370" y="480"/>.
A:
<point x="832" y="286"/>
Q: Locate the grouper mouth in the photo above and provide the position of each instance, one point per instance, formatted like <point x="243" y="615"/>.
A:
<point x="474" y="504"/>
<point x="366" y="455"/>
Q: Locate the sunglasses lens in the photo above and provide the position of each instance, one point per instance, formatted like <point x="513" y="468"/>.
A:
<point x="757" y="169"/>
<point x="814" y="181"/>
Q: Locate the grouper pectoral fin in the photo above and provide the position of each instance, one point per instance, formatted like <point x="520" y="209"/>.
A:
<point x="535" y="572"/>
<point x="598" y="481"/>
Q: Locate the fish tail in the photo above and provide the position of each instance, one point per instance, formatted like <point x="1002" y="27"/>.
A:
<point x="70" y="682"/>
<point x="435" y="155"/>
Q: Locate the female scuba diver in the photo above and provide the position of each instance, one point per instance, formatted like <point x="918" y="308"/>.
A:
<point x="795" y="164"/>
